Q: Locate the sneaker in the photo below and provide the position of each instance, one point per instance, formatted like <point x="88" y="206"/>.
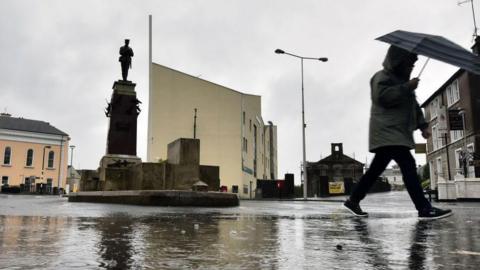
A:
<point x="354" y="208"/>
<point x="434" y="213"/>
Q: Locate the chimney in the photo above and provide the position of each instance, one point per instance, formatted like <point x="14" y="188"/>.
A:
<point x="337" y="150"/>
<point x="476" y="46"/>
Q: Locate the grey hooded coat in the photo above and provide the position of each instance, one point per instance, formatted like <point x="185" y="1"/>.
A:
<point x="395" y="113"/>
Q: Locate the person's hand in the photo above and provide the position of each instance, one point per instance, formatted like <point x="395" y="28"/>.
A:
<point x="413" y="83"/>
<point x="426" y="133"/>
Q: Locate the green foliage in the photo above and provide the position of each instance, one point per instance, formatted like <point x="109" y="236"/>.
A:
<point x="426" y="183"/>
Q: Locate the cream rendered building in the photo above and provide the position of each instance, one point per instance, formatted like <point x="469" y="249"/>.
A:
<point x="32" y="152"/>
<point x="229" y="125"/>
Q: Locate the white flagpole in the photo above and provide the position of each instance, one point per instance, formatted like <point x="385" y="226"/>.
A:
<point x="149" y="140"/>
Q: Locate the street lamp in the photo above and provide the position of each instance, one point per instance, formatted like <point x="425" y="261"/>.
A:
<point x="71" y="159"/>
<point x="304" y="164"/>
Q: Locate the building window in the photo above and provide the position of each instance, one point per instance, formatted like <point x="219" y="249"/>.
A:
<point x="49" y="185"/>
<point x="245" y="145"/>
<point x="234" y="189"/>
<point x="4" y="180"/>
<point x="453" y="93"/>
<point x="456" y="135"/>
<point x="434" y="137"/>
<point x="29" y="162"/>
<point x="243" y="118"/>
<point x="439" y="168"/>
<point x="245" y="189"/>
<point x="51" y="158"/>
<point x="7" y="156"/>
<point x="250" y="124"/>
<point x="434" y="108"/>
<point x="432" y="183"/>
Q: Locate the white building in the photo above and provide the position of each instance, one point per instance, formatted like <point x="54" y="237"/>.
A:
<point x="394" y="177"/>
<point x="34" y="154"/>
<point x="229" y="124"/>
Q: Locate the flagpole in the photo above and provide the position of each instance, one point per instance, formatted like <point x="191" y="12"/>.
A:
<point x="149" y="140"/>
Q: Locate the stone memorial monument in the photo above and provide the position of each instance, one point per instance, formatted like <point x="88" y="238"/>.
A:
<point x="123" y="178"/>
<point x="123" y="110"/>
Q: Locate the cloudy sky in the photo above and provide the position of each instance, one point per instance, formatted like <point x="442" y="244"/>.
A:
<point x="59" y="61"/>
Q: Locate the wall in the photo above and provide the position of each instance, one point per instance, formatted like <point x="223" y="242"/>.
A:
<point x="18" y="169"/>
<point x="220" y="126"/>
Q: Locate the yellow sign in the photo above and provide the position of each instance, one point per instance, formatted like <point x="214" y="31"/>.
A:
<point x="336" y="188"/>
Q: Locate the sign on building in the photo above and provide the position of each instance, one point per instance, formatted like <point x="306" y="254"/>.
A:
<point x="336" y="187"/>
<point x="455" y="119"/>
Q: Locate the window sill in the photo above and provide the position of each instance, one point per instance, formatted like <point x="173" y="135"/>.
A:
<point x="6" y="165"/>
<point x="455" y="102"/>
<point x="29" y="167"/>
<point x="50" y="169"/>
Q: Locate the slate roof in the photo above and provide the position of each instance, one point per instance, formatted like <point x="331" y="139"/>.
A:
<point x="336" y="159"/>
<point x="22" y="124"/>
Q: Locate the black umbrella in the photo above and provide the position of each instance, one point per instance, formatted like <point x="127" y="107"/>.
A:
<point x="435" y="47"/>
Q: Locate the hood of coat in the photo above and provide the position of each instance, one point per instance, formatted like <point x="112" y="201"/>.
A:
<point x="399" y="62"/>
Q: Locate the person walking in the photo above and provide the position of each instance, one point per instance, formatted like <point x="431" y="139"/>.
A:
<point x="394" y="116"/>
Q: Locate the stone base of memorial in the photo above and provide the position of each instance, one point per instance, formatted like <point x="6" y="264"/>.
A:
<point x="157" y="198"/>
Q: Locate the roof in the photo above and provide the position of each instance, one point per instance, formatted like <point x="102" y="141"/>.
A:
<point x="449" y="81"/>
<point x="337" y="158"/>
<point x="22" y="124"/>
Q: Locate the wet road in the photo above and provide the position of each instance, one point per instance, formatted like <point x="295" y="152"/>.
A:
<point x="49" y="233"/>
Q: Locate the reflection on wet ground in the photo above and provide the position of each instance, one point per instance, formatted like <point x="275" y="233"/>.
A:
<point x="50" y="233"/>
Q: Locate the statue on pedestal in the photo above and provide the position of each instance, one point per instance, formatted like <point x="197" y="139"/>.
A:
<point x="125" y="59"/>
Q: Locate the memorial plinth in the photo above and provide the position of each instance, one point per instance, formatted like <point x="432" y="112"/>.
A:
<point x="123" y="178"/>
<point x="158" y="198"/>
<point x="123" y="111"/>
<point x="121" y="151"/>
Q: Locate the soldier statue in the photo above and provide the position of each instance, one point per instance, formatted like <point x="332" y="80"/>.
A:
<point x="126" y="54"/>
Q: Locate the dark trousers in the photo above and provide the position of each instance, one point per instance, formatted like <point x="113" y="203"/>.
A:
<point x="406" y="162"/>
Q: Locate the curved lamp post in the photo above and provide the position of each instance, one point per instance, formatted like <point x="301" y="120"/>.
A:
<point x="304" y="164"/>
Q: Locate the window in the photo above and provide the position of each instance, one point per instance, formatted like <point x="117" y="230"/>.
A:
<point x="430" y="167"/>
<point x="51" y="158"/>
<point x="434" y="108"/>
<point x="243" y="118"/>
<point x="245" y="189"/>
<point x="29" y="162"/>
<point x="49" y="185"/>
<point x="434" y="137"/>
<point x="453" y="93"/>
<point x="456" y="135"/>
<point x="7" y="156"/>
<point x="4" y="180"/>
<point x="234" y="189"/>
<point x="250" y="126"/>
<point x="245" y="144"/>
<point x="439" y="168"/>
